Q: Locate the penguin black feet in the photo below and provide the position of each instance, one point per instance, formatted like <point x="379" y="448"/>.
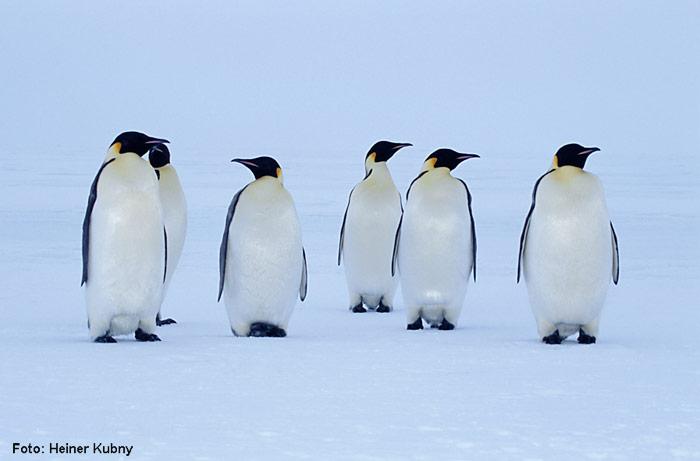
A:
<point x="359" y="309"/>
<point x="383" y="308"/>
<point x="417" y="325"/>
<point x="141" y="335"/>
<point x="266" y="330"/>
<point x="554" y="338"/>
<point x="160" y="322"/>
<point x="445" y="325"/>
<point x="584" y="338"/>
<point x="105" y="339"/>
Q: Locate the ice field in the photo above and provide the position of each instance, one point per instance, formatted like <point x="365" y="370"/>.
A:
<point x="314" y="85"/>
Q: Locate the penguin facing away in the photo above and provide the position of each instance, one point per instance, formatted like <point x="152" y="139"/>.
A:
<point x="568" y="249"/>
<point x="262" y="263"/>
<point x="124" y="243"/>
<point x="435" y="246"/>
<point x="174" y="205"/>
<point x="367" y="234"/>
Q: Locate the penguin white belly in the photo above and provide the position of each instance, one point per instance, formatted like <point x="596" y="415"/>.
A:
<point x="568" y="253"/>
<point x="435" y="251"/>
<point x="370" y="229"/>
<point x="174" y="217"/>
<point x="264" y="258"/>
<point x="126" y="252"/>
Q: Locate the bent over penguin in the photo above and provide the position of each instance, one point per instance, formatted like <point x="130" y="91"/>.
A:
<point x="124" y="243"/>
<point x="262" y="263"/>
<point x="568" y="249"/>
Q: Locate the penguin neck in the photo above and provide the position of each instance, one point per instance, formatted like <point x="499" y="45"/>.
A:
<point x="435" y="172"/>
<point x="376" y="170"/>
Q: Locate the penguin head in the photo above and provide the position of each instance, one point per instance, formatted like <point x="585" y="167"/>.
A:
<point x="446" y="158"/>
<point x="135" y="142"/>
<point x="383" y="150"/>
<point x="573" y="155"/>
<point x="261" y="166"/>
<point x="159" y="156"/>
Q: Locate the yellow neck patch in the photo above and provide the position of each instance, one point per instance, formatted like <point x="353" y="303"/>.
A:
<point x="429" y="164"/>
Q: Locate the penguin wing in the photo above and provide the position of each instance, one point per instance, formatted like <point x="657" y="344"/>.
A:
<point x="413" y="182"/>
<point x="224" y="241"/>
<point x="92" y="198"/>
<point x="342" y="228"/>
<point x="616" y="256"/>
<point x="397" y="240"/>
<point x="526" y="226"/>
<point x="165" y="266"/>
<point x="303" y="286"/>
<point x="471" y="218"/>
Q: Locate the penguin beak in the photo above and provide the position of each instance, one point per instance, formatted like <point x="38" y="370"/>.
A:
<point x="463" y="157"/>
<point x="245" y="162"/>
<point x="156" y="141"/>
<point x="400" y="145"/>
<point x="589" y="151"/>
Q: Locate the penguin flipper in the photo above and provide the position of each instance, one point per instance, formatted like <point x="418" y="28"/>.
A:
<point x="224" y="241"/>
<point x="397" y="240"/>
<point x="342" y="228"/>
<point x="165" y="263"/>
<point x="92" y="198"/>
<point x="473" y="226"/>
<point x="616" y="256"/>
<point x="526" y="226"/>
<point x="303" y="286"/>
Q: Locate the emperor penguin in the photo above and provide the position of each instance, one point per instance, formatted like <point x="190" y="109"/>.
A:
<point x="174" y="205"/>
<point x="568" y="249"/>
<point x="435" y="244"/>
<point x="367" y="234"/>
<point x="124" y="243"/>
<point x="262" y="263"/>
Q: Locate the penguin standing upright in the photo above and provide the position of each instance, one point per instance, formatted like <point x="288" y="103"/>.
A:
<point x="435" y="248"/>
<point x="124" y="243"/>
<point x="262" y="263"/>
<point x="568" y="249"/>
<point x="367" y="234"/>
<point x="174" y="205"/>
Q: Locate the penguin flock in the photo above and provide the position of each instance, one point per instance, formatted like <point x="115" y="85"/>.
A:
<point x="136" y="222"/>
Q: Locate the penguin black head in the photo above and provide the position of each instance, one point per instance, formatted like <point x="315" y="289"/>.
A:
<point x="384" y="150"/>
<point x="261" y="166"/>
<point x="159" y="156"/>
<point x="573" y="155"/>
<point x="447" y="158"/>
<point x="133" y="141"/>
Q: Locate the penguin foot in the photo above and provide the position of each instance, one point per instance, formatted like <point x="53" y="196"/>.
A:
<point x="445" y="325"/>
<point x="584" y="338"/>
<point x="554" y="338"/>
<point x="383" y="307"/>
<point x="160" y="322"/>
<point x="417" y="325"/>
<point x="358" y="309"/>
<point x="141" y="335"/>
<point x="262" y="330"/>
<point x="105" y="339"/>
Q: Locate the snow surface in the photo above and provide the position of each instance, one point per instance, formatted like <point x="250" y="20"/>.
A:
<point x="315" y="84"/>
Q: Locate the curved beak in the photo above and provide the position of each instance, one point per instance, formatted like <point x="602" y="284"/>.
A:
<point x="400" y="145"/>
<point x="463" y="157"/>
<point x="156" y="141"/>
<point x="249" y="163"/>
<point x="588" y="151"/>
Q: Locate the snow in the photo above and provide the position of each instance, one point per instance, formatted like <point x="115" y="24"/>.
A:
<point x="315" y="85"/>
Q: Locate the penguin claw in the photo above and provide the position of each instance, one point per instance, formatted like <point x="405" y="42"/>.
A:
<point x="584" y="338"/>
<point x="359" y="309"/>
<point x="554" y="338"/>
<point x="417" y="325"/>
<point x="105" y="339"/>
<point x="445" y="325"/>
<point x="383" y="308"/>
<point x="141" y="335"/>
<point x="162" y="322"/>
